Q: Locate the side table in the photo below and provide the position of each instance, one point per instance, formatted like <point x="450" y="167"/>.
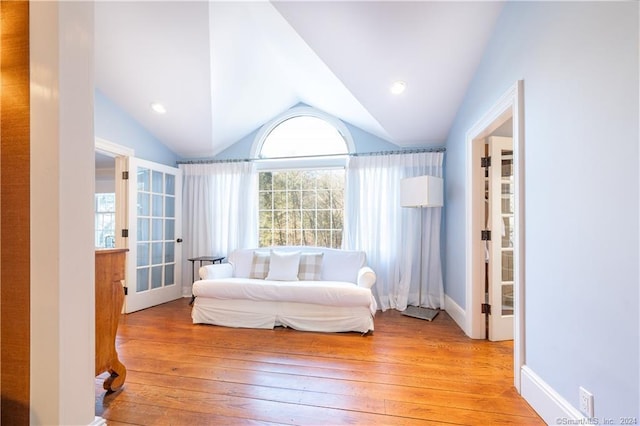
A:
<point x="193" y="260"/>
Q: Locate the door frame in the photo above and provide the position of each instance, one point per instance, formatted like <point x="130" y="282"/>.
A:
<point x="509" y="105"/>
<point x="121" y="155"/>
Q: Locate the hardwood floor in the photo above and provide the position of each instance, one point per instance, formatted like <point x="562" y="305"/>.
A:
<point x="409" y="371"/>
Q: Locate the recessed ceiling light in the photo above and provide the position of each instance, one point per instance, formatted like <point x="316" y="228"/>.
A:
<point x="398" y="87"/>
<point x="157" y="107"/>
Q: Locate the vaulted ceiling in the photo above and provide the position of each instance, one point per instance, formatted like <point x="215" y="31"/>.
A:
<point x="223" y="68"/>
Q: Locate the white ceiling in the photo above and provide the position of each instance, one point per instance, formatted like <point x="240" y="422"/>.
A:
<point x="225" y="68"/>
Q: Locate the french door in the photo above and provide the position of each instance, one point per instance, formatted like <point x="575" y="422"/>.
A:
<point x="501" y="223"/>
<point x="154" y="234"/>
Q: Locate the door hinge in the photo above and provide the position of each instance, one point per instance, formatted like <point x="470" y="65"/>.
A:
<point x="486" y="308"/>
<point x="125" y="233"/>
<point x="485" y="235"/>
<point x="126" y="291"/>
<point x="125" y="175"/>
<point x="485" y="162"/>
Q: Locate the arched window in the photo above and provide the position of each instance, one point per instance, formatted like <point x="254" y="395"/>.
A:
<point x="303" y="136"/>
<point x="301" y="193"/>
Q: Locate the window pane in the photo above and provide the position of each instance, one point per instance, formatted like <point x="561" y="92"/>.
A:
<point x="143" y="254"/>
<point x="156" y="277"/>
<point x="266" y="200"/>
<point x="265" y="238"/>
<point x="266" y="219"/>
<point x="156" y="230"/>
<point x="336" y="239"/>
<point x="143" y="204"/>
<point x="324" y="238"/>
<point x="156" y="183"/>
<point x="279" y="200"/>
<point x="142" y="279"/>
<point x="169" y="249"/>
<point x="143" y="229"/>
<point x="309" y="200"/>
<point x="169" y="272"/>
<point x="294" y="219"/>
<point x="169" y="207"/>
<point x="309" y="238"/>
<point x="324" y="199"/>
<point x="156" y="253"/>
<point x="143" y="179"/>
<point x="265" y="181"/>
<point x="323" y="219"/>
<point x="157" y="205"/>
<point x="309" y="219"/>
<point x="169" y="229"/>
<point x="170" y="184"/>
<point x="294" y="200"/>
<point x="294" y="237"/>
<point x="336" y="219"/>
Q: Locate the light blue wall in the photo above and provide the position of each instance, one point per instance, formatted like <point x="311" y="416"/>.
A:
<point x="579" y="63"/>
<point x="114" y="125"/>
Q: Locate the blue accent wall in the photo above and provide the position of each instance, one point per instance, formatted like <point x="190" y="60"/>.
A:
<point x="579" y="63"/>
<point x="115" y="125"/>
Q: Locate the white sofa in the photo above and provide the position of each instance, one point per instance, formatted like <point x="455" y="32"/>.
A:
<point x="329" y="291"/>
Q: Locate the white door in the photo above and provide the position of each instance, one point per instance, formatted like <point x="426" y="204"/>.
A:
<point x="154" y="234"/>
<point x="501" y="223"/>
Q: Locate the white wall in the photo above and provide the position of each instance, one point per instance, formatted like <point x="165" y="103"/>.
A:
<point x="579" y="63"/>
<point x="62" y="388"/>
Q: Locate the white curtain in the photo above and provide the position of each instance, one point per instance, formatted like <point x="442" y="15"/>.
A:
<point x="219" y="208"/>
<point x="399" y="242"/>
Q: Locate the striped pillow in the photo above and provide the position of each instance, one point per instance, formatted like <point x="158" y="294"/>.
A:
<point x="310" y="267"/>
<point x="259" y="265"/>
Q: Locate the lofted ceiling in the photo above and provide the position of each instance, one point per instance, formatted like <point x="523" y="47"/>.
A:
<point x="224" y="68"/>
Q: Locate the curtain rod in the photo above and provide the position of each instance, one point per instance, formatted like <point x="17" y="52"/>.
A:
<point x="355" y="154"/>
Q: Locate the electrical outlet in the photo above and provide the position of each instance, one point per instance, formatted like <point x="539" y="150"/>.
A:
<point x="586" y="402"/>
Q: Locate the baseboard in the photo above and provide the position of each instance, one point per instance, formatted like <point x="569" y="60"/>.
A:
<point x="548" y="403"/>
<point x="98" y="421"/>
<point x="456" y="312"/>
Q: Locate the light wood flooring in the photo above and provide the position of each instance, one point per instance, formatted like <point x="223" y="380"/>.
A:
<point x="409" y="371"/>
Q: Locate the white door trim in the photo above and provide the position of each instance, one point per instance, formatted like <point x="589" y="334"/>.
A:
<point x="113" y="149"/>
<point x="509" y="105"/>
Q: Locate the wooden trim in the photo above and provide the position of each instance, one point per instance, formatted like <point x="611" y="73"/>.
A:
<point x="15" y="213"/>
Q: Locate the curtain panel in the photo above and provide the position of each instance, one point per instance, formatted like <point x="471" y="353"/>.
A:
<point x="220" y="211"/>
<point x="402" y="244"/>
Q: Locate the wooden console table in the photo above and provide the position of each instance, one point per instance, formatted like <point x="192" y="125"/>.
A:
<point x="110" y="272"/>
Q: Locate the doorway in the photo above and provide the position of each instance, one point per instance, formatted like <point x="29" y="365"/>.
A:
<point x="505" y="115"/>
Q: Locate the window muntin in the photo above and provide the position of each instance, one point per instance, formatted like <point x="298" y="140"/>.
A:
<point x="301" y="207"/>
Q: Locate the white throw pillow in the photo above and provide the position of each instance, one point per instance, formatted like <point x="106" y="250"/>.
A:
<point x="283" y="266"/>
